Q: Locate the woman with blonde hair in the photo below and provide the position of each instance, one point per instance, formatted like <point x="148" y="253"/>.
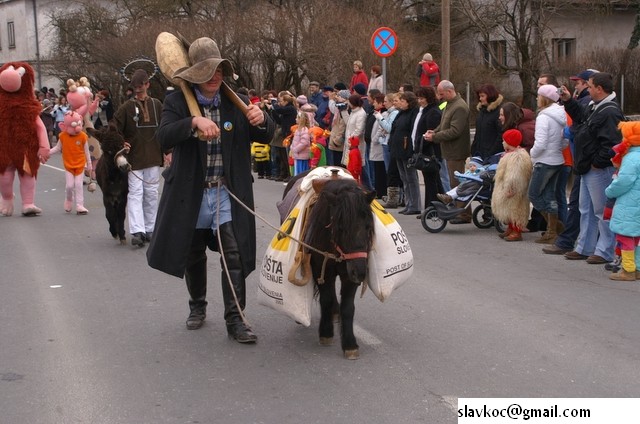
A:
<point x="547" y="158"/>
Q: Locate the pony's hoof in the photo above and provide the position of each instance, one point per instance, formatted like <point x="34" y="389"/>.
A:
<point x="123" y="242"/>
<point x="352" y="354"/>
<point x="326" y="341"/>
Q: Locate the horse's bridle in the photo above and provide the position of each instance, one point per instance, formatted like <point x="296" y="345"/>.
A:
<point x="352" y="255"/>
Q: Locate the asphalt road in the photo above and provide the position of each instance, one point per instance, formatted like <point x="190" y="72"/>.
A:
<point x="90" y="334"/>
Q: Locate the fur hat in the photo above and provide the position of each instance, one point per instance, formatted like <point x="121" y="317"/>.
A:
<point x="512" y="137"/>
<point x="360" y="88"/>
<point x="205" y="58"/>
<point x="427" y="57"/>
<point x="344" y="94"/>
<point x="549" y="91"/>
<point x="476" y="160"/>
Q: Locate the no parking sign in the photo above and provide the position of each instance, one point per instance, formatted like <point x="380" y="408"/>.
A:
<point x="384" y="42"/>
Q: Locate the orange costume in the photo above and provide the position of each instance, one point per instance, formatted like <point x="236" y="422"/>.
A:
<point x="75" y="151"/>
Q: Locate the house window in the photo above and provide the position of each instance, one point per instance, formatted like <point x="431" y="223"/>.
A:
<point x="11" y="35"/>
<point x="564" y="49"/>
<point x="494" y="53"/>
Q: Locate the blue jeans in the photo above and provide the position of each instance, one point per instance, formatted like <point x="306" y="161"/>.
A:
<point x="210" y="215"/>
<point x="444" y="175"/>
<point x="567" y="239"/>
<point x="561" y="193"/>
<point x="542" y="187"/>
<point x="595" y="236"/>
<point x="386" y="156"/>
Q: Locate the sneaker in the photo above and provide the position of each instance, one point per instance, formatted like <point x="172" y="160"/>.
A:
<point x="81" y="210"/>
<point x="445" y="198"/>
<point x="575" y="256"/>
<point x="137" y="239"/>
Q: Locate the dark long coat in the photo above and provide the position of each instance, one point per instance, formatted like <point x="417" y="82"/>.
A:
<point x="184" y="183"/>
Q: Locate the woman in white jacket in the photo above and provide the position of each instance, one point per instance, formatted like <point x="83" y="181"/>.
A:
<point x="355" y="127"/>
<point x="546" y="155"/>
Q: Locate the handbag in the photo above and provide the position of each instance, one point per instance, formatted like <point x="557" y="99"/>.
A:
<point x="422" y="162"/>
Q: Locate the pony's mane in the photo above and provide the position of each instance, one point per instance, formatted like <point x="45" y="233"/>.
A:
<point x="342" y="208"/>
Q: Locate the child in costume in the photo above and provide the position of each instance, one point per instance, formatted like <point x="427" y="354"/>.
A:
<point x="625" y="188"/>
<point x="261" y="156"/>
<point x="301" y="145"/>
<point x="355" y="159"/>
<point x="24" y="143"/>
<point x="510" y="199"/>
<point x="73" y="144"/>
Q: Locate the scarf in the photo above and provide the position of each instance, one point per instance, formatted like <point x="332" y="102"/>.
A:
<point x="205" y="101"/>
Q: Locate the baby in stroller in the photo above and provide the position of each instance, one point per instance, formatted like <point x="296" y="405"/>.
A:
<point x="478" y="172"/>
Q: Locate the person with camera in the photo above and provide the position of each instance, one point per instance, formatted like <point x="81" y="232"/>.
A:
<point x="338" y="108"/>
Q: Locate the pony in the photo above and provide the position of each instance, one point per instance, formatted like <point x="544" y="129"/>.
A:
<point x="111" y="175"/>
<point x="341" y="226"/>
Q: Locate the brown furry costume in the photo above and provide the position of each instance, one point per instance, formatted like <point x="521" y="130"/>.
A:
<point x="512" y="176"/>
<point x="18" y="135"/>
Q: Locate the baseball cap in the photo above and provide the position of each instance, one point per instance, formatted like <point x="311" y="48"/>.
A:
<point x="584" y="75"/>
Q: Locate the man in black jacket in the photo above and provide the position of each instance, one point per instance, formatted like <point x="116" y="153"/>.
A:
<point x="211" y="160"/>
<point x="596" y="133"/>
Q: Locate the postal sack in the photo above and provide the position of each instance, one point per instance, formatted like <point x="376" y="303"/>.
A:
<point x="390" y="258"/>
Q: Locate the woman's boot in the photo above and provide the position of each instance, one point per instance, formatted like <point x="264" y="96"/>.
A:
<point x="393" y="198"/>
<point x="549" y="236"/>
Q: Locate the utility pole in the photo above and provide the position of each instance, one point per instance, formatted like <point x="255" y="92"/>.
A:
<point x="446" y="39"/>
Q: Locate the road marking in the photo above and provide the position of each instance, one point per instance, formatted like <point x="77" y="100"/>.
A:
<point x="53" y="167"/>
<point x="364" y="336"/>
<point x="451" y="402"/>
<point x="57" y="286"/>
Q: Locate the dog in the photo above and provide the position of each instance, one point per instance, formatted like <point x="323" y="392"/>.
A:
<point x="111" y="174"/>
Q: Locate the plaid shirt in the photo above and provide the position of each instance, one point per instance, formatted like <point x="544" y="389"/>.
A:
<point x="215" y="169"/>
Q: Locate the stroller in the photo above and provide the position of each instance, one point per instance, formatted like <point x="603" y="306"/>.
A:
<point x="479" y="188"/>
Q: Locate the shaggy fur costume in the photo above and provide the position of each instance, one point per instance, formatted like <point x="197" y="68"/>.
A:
<point x="18" y="132"/>
<point x="509" y="200"/>
<point x="24" y="142"/>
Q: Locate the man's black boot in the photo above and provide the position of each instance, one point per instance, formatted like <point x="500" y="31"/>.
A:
<point x="236" y="328"/>
<point x="196" y="279"/>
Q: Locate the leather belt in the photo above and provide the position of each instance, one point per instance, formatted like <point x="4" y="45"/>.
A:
<point x="212" y="184"/>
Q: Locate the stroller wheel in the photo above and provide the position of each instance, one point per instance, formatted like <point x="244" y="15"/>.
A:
<point x="482" y="217"/>
<point x="431" y="221"/>
<point x="499" y="226"/>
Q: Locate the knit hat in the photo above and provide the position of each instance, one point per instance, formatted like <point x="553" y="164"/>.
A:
<point x="427" y="57"/>
<point x="302" y="99"/>
<point x="512" y="137"/>
<point x="316" y="83"/>
<point x="549" y="91"/>
<point x="360" y="88"/>
<point x="476" y="160"/>
<point x="340" y="86"/>
<point x="344" y="94"/>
